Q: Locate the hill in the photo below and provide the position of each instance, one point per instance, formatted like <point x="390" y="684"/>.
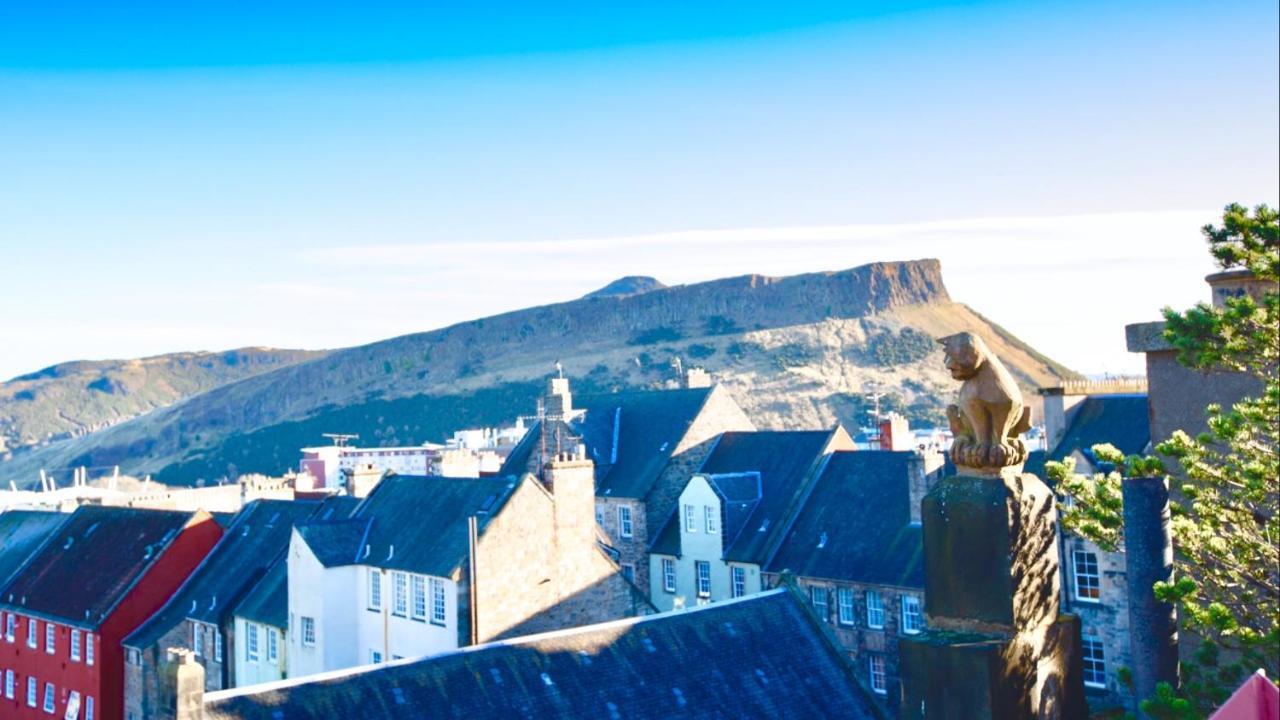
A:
<point x="796" y="351"/>
<point x="629" y="285"/>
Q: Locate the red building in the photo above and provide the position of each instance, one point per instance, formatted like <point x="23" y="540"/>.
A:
<point x="64" y="614"/>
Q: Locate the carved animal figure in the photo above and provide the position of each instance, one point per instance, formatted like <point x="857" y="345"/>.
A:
<point x="989" y="415"/>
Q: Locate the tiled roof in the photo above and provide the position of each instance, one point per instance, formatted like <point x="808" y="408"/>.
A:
<point x="412" y="523"/>
<point x="630" y="436"/>
<point x="1120" y="420"/>
<point x="757" y="657"/>
<point x="258" y="536"/>
<point x="267" y="601"/>
<point x="855" y="526"/>
<point x="21" y="532"/>
<point x="92" y="561"/>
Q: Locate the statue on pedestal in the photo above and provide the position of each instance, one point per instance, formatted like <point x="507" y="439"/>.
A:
<point x="989" y="418"/>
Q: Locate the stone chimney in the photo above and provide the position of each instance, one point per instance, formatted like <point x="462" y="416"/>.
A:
<point x="1237" y="283"/>
<point x="918" y="484"/>
<point x="571" y="479"/>
<point x="362" y="479"/>
<point x="1153" y="625"/>
<point x="697" y="377"/>
<point x="559" y="401"/>
<point x="1058" y="405"/>
<point x="189" y="685"/>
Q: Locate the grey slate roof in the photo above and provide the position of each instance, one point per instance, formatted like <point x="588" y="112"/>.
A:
<point x="763" y="656"/>
<point x="257" y="537"/>
<point x="1121" y="420"/>
<point x="784" y="461"/>
<point x="855" y="526"/>
<point x="21" y="533"/>
<point x="99" y="552"/>
<point x="411" y="523"/>
<point x="267" y="601"/>
<point x="630" y="437"/>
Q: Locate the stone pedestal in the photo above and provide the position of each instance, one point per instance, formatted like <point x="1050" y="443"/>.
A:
<point x="997" y="646"/>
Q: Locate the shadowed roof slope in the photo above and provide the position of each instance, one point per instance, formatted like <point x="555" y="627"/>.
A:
<point x="259" y="535"/>
<point x="92" y="561"/>
<point x="267" y="602"/>
<point x="1120" y="420"/>
<point x="630" y="436"/>
<point x="856" y="524"/>
<point x="21" y="532"/>
<point x="756" y="657"/>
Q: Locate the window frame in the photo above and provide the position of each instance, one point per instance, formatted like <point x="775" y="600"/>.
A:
<point x="417" y="591"/>
<point x="703" y="583"/>
<point x="818" y="601"/>
<point x="252" y="650"/>
<point x="9" y="682"/>
<point x="33" y="691"/>
<point x="1093" y="663"/>
<point x="33" y="633"/>
<point x="399" y="594"/>
<point x="50" y="638"/>
<point x="197" y="639"/>
<point x="374" y="598"/>
<point x="668" y="575"/>
<point x="916" y="627"/>
<point x="737" y="581"/>
<point x="88" y="648"/>
<point x="626" y="526"/>
<point x="50" y="704"/>
<point x="273" y="644"/>
<point x="439" y="603"/>
<point x="10" y="627"/>
<point x="88" y="707"/>
<point x="881" y="672"/>
<point x="217" y="644"/>
<point x="711" y="519"/>
<point x="1093" y="579"/>
<point x="75" y="645"/>
<point x="308" y="623"/>
<point x="690" y="519"/>
<point x="844" y="601"/>
<point x="875" y="611"/>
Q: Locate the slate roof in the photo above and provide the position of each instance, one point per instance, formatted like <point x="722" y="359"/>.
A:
<point x="784" y="460"/>
<point x="411" y="523"/>
<point x="21" y="533"/>
<point x="1121" y="420"/>
<point x="856" y="524"/>
<point x="630" y="437"/>
<point x="267" y="601"/>
<point x="258" y="536"/>
<point x="92" y="561"/>
<point x="763" y="656"/>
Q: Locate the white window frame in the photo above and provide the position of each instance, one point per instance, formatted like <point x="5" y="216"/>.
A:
<point x="690" y="519"/>
<point x="1094" y="658"/>
<point x="308" y="631"/>
<point x="33" y="633"/>
<point x="197" y="639"/>
<point x="49" y="703"/>
<point x="418" y="597"/>
<point x="912" y="615"/>
<point x="625" y="527"/>
<point x="8" y="684"/>
<point x="711" y="519"/>
<point x="10" y="622"/>
<point x="818" y="599"/>
<point x="668" y="575"/>
<point x="251" y="648"/>
<point x="1092" y="580"/>
<point x="703" y="579"/>
<point x="50" y="638"/>
<point x="879" y="675"/>
<point x="439" y="611"/>
<point x="217" y="644"/>
<point x="75" y="645"/>
<point x="875" y="610"/>
<point x="399" y="594"/>
<point x="738" y="581"/>
<point x="88" y="707"/>
<point x="33" y="692"/>
<point x="88" y="648"/>
<point x="375" y="589"/>
<point x="273" y="644"/>
<point x="846" y="614"/>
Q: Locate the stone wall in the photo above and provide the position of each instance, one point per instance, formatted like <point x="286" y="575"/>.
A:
<point x="148" y="690"/>
<point x="1106" y="619"/>
<point x="633" y="551"/>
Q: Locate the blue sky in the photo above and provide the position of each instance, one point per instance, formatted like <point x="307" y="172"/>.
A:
<point x="210" y="175"/>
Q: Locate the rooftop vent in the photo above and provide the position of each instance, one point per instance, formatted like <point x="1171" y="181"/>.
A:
<point x="822" y="541"/>
<point x="546" y="680"/>
<point x="90" y="529"/>
<point x="763" y="679"/>
<point x="648" y="645"/>
<point x="496" y="675"/>
<point x="679" y="696"/>
<point x="398" y="694"/>
<point x="764" y="525"/>
<point x="613" y="711"/>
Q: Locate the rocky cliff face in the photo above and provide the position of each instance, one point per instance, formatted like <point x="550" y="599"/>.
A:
<point x="796" y="351"/>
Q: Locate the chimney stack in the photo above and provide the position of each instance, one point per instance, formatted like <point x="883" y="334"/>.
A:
<point x="189" y="685"/>
<point x="559" y="401"/>
<point x="571" y="479"/>
<point x="363" y="479"/>
<point x="895" y="433"/>
<point x="697" y="377"/>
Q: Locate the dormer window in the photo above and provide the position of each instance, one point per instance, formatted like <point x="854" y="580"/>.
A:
<point x="690" y="519"/>
<point x="712" y="520"/>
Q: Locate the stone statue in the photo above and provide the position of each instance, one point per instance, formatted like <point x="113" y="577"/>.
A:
<point x="989" y="416"/>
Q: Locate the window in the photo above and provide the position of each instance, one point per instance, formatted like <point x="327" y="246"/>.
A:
<point x="132" y="657"/>
<point x="31" y="692"/>
<point x="8" y="684"/>
<point x="704" y="578"/>
<point x="1088" y="581"/>
<point x="912" y="617"/>
<point x="308" y="631"/>
<point x="197" y="639"/>
<point x="400" y="594"/>
<point x="437" y="601"/>
<point x="75" y="645"/>
<point x="88" y="707"/>
<point x="669" y="575"/>
<point x="818" y="597"/>
<point x="251" y="642"/>
<point x="32" y="633"/>
<point x="690" y="520"/>
<point x="50" y="637"/>
<point x="48" y="697"/>
<point x="375" y="657"/>
<point x="624" y="521"/>
<point x="875" y="610"/>
<point x="217" y="644"/>
<point x="879" y="682"/>
<point x="739" y="581"/>
<point x="273" y="645"/>
<point x="712" y="519"/>
<point x="844" y="606"/>
<point x="1095" y="664"/>
<point x="88" y="648"/>
<point x="629" y="571"/>
<point x="419" y="597"/>
<point x="375" y="589"/>
<point x="9" y="622"/>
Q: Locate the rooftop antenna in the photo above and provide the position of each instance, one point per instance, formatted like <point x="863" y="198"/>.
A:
<point x="559" y="369"/>
<point x="339" y="439"/>
<point x="679" y="366"/>
<point x="874" y="395"/>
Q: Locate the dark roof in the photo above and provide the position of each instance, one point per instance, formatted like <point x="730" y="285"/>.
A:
<point x="408" y="522"/>
<point x="267" y="602"/>
<point x="856" y="524"/>
<point x="21" y="532"/>
<point x="258" y="536"/>
<point x="630" y="437"/>
<point x="1120" y="420"/>
<point x="92" y="561"/>
<point x="763" y="656"/>
<point x="784" y="460"/>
